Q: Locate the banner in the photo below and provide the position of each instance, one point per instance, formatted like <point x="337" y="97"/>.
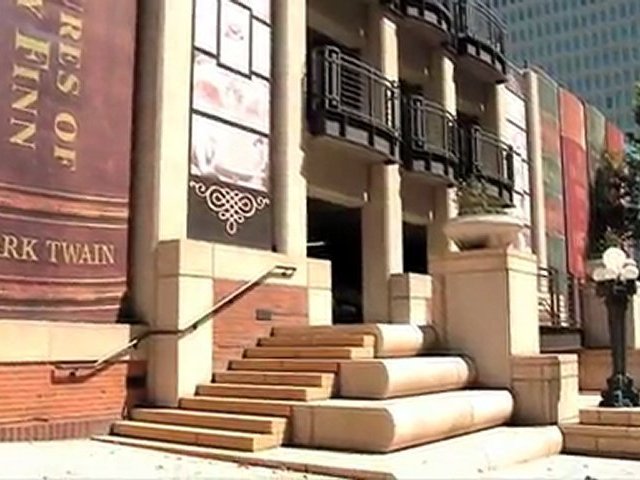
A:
<point x="229" y="169"/>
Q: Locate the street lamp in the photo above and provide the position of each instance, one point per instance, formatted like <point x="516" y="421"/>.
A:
<point x="616" y="282"/>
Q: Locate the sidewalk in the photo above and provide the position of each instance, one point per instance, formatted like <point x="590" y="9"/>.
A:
<point x="90" y="460"/>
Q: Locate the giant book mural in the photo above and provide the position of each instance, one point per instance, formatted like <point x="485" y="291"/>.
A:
<point x="229" y="184"/>
<point x="553" y="176"/>
<point x="576" y="180"/>
<point x="66" y="82"/>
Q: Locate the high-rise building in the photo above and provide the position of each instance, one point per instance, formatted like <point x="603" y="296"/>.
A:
<point x="592" y="46"/>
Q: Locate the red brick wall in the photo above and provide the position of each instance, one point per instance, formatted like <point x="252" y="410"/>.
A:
<point x="39" y="402"/>
<point x="236" y="327"/>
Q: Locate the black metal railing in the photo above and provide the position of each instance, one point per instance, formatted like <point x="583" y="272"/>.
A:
<point x="344" y="86"/>
<point x="431" y="135"/>
<point x="433" y="11"/>
<point x="479" y="22"/>
<point x="559" y="299"/>
<point x="490" y="160"/>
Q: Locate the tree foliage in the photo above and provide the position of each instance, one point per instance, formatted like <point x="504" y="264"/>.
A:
<point x="617" y="196"/>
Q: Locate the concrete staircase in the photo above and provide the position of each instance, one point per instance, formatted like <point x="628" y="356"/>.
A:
<point x="366" y="388"/>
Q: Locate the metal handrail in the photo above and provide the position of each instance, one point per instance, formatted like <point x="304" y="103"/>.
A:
<point x="285" y="271"/>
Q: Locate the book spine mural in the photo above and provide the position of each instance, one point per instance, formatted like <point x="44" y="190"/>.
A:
<point x="596" y="128"/>
<point x="614" y="143"/>
<point x="576" y="181"/>
<point x="553" y="175"/>
<point x="66" y="86"/>
<point x="596" y="143"/>
<point x="229" y="183"/>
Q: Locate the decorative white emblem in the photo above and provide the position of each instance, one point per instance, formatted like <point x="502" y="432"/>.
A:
<point x="232" y="207"/>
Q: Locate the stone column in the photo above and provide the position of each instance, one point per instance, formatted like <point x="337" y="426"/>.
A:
<point x="534" y="128"/>
<point x="442" y="73"/>
<point x="496" y="113"/>
<point x="288" y="124"/>
<point x="162" y="297"/>
<point x="382" y="214"/>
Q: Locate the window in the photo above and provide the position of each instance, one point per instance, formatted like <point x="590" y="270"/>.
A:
<point x="616" y="56"/>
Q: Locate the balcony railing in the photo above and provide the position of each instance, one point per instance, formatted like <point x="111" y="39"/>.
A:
<point x="559" y="299"/>
<point x="490" y="160"/>
<point x="435" y="12"/>
<point x="481" y="32"/>
<point x="430" y="138"/>
<point x="352" y="100"/>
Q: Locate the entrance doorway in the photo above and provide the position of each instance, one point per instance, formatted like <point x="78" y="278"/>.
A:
<point x="334" y="233"/>
<point x="414" y="248"/>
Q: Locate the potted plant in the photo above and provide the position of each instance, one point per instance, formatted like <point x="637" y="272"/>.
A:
<point x="483" y="221"/>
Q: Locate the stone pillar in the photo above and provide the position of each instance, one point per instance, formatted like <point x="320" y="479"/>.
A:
<point x="382" y="214"/>
<point x="490" y="305"/>
<point x="184" y="293"/>
<point x="381" y="241"/>
<point x="288" y="124"/>
<point x="442" y="73"/>
<point x="162" y="297"/>
<point x="545" y="389"/>
<point x="496" y="113"/>
<point x="534" y="128"/>
<point x="410" y="298"/>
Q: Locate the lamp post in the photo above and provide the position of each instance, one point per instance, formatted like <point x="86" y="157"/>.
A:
<point x="616" y="282"/>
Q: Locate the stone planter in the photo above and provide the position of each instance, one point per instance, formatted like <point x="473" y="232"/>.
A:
<point x="483" y="231"/>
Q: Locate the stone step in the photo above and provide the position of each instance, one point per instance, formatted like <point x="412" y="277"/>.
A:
<point x="602" y="440"/>
<point x="624" y="417"/>
<point x="196" y="436"/>
<point x="395" y="377"/>
<point x="461" y="457"/>
<point x="309" y="352"/>
<point x="275" y="392"/>
<point x="302" y="379"/>
<point x="215" y="420"/>
<point x="249" y="406"/>
<point x="319" y="340"/>
<point x="387" y="425"/>
<point x="290" y="365"/>
<point x="391" y="340"/>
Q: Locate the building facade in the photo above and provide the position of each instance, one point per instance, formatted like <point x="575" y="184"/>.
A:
<point x="300" y="156"/>
<point x="590" y="46"/>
